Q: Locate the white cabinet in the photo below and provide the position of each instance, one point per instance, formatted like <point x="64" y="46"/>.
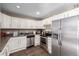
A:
<point x="23" y="23"/>
<point x="59" y="16"/>
<point x="17" y="43"/>
<point x="13" y="44"/>
<point x="73" y="12"/>
<point x="37" y="40"/>
<point x="6" y="21"/>
<point x="40" y="24"/>
<point x="70" y="13"/>
<point x="14" y="22"/>
<point x="49" y="44"/>
<point x="27" y="23"/>
<point x="47" y="24"/>
<point x="37" y="24"/>
<point x="33" y="24"/>
<point x="22" y="42"/>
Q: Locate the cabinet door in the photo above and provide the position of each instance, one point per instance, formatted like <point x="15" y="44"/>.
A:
<point x="23" y="23"/>
<point x="30" y="24"/>
<point x="49" y="44"/>
<point x="34" y="24"/>
<point x="37" y="40"/>
<point x="14" y="22"/>
<point x="59" y="16"/>
<point x="13" y="44"/>
<point x="6" y="21"/>
<point x="22" y="42"/>
<point x="73" y="12"/>
<point x="17" y="43"/>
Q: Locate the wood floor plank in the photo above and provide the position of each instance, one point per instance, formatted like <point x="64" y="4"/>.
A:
<point x="33" y="51"/>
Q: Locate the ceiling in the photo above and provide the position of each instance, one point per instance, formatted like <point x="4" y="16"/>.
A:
<point x="29" y="10"/>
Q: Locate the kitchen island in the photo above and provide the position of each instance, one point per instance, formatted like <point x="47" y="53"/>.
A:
<point x="10" y="44"/>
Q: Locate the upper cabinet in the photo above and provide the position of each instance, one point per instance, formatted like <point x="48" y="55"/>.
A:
<point x="29" y="24"/>
<point x="6" y="21"/>
<point x="39" y="24"/>
<point x="16" y="22"/>
<point x="59" y="16"/>
<point x="47" y="23"/>
<point x="19" y="23"/>
<point x="70" y="13"/>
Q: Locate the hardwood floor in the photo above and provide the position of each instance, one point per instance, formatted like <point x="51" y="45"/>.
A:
<point x="33" y="51"/>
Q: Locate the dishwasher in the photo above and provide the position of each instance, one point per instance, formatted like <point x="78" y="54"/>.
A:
<point x="30" y="40"/>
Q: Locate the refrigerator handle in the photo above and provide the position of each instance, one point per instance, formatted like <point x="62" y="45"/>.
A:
<point x="59" y="41"/>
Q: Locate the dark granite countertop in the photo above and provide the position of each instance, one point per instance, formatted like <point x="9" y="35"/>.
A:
<point x="29" y="36"/>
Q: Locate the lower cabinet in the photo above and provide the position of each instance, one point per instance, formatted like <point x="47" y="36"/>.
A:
<point x="37" y="40"/>
<point x="16" y="44"/>
<point x="49" y="44"/>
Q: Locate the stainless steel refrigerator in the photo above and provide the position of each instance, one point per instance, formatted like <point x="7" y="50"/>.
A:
<point x="65" y="40"/>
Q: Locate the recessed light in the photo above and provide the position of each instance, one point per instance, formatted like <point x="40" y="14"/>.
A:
<point x="37" y="13"/>
<point x="17" y="6"/>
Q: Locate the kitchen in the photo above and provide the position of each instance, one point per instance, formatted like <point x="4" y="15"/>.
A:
<point x="39" y="29"/>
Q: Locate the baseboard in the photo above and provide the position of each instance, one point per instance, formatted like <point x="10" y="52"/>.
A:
<point x="12" y="51"/>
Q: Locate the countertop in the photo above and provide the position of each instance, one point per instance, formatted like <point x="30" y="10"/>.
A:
<point x="45" y="37"/>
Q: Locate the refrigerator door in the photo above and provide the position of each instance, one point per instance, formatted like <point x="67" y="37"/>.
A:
<point x="69" y="36"/>
<point x="55" y="38"/>
<point x="78" y="37"/>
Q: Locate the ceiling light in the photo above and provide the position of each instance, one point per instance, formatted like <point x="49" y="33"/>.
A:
<point x="37" y="13"/>
<point x="18" y="6"/>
